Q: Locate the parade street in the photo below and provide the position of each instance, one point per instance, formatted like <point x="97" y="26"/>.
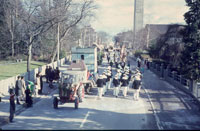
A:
<point x="93" y="113"/>
<point x="154" y="110"/>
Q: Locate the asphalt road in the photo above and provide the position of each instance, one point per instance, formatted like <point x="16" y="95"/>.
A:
<point x="93" y="113"/>
<point x="107" y="113"/>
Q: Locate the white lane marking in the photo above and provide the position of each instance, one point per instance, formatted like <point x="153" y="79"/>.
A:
<point x="158" y="122"/>
<point x="84" y="119"/>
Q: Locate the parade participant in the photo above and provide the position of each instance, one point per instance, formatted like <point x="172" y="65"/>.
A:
<point x="47" y="74"/>
<point x="108" y="57"/>
<point x="116" y="64"/>
<point x="126" y="74"/>
<point x="123" y="64"/>
<point x="107" y="73"/>
<point x="124" y="85"/>
<point x="104" y="82"/>
<point x="18" y="86"/>
<point x="111" y="63"/>
<point x="109" y="78"/>
<point x="100" y="84"/>
<point x="23" y="88"/>
<point x="12" y="105"/>
<point x="137" y="86"/>
<point x="139" y="62"/>
<point x="116" y="84"/>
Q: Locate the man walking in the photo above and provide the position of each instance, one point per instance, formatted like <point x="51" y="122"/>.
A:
<point x="23" y="88"/>
<point x="104" y="83"/>
<point x="116" y="84"/>
<point x="100" y="84"/>
<point x="124" y="85"/>
<point x="18" y="86"/>
<point x="137" y="85"/>
<point x="37" y="84"/>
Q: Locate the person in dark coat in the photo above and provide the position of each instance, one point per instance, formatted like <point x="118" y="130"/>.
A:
<point x="100" y="84"/>
<point x="116" y="84"/>
<point x="29" y="100"/>
<point x="51" y="77"/>
<point x="57" y="73"/>
<point x="12" y="105"/>
<point x="47" y="74"/>
<point x="41" y="84"/>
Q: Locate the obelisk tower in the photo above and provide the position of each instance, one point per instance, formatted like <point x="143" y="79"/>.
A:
<point x="138" y="19"/>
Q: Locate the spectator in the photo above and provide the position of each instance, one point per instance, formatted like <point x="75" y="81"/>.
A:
<point x="41" y="84"/>
<point x="47" y="74"/>
<point x="57" y="74"/>
<point x="18" y="86"/>
<point x="12" y="106"/>
<point x="23" y="88"/>
<point x="37" y="84"/>
<point x="29" y="100"/>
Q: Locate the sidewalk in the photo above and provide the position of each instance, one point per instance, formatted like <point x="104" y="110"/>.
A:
<point x="5" y="105"/>
<point x="173" y="108"/>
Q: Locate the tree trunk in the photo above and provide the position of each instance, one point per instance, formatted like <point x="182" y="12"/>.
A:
<point x="29" y="58"/>
<point x="13" y="44"/>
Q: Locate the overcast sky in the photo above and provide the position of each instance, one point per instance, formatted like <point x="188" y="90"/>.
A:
<point x="114" y="16"/>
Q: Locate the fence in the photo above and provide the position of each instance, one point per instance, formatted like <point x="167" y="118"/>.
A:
<point x="11" y="81"/>
<point x="189" y="86"/>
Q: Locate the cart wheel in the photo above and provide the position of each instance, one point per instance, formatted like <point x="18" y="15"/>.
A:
<point x="76" y="103"/>
<point x="55" y="103"/>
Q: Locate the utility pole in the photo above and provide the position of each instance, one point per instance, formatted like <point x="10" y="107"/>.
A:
<point x="58" y="47"/>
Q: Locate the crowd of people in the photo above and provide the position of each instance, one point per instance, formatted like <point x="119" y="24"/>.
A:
<point x="51" y="75"/>
<point x="20" y="92"/>
<point x="122" y="80"/>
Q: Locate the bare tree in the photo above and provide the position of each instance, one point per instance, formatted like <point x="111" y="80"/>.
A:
<point x="70" y="13"/>
<point x="35" y="22"/>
